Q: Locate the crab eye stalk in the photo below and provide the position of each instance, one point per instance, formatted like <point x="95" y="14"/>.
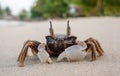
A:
<point x="68" y="29"/>
<point x="50" y="39"/>
<point x="71" y="40"/>
<point x="51" y="29"/>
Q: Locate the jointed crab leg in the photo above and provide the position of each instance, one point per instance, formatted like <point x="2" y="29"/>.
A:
<point x="93" y="51"/>
<point x="28" y="44"/>
<point x="34" y="53"/>
<point x="97" y="45"/>
<point x="92" y="48"/>
<point x="98" y="49"/>
<point x="23" y="48"/>
<point x="22" y="55"/>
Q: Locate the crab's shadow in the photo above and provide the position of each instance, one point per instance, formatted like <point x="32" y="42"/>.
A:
<point x="33" y="60"/>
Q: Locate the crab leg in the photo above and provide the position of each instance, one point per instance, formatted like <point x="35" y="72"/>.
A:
<point x="91" y="47"/>
<point x="33" y="45"/>
<point x="22" y="50"/>
<point x="34" y="53"/>
<point x="98" y="47"/>
<point x="93" y="51"/>
<point x="23" y="55"/>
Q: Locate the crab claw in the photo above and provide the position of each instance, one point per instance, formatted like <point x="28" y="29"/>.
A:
<point x="74" y="53"/>
<point x="61" y="56"/>
<point x="43" y="55"/>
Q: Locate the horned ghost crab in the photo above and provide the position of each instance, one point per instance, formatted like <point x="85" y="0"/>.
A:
<point x="57" y="45"/>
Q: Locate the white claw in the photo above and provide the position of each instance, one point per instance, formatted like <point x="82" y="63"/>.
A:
<point x="43" y="55"/>
<point x="74" y="53"/>
<point x="61" y="56"/>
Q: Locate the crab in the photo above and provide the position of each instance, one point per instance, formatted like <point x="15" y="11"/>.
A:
<point x="57" y="43"/>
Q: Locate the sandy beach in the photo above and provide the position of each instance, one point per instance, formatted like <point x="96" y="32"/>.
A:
<point x="105" y="29"/>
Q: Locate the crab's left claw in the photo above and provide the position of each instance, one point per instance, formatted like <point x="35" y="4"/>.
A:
<point x="61" y="56"/>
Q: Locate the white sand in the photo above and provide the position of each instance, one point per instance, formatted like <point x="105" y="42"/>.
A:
<point x="105" y="29"/>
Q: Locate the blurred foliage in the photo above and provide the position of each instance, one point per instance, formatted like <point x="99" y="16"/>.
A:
<point x="99" y="7"/>
<point x="23" y="15"/>
<point x="50" y="9"/>
<point x="1" y="12"/>
<point x="7" y="11"/>
<point x="44" y="9"/>
<point x="112" y="7"/>
<point x="112" y="2"/>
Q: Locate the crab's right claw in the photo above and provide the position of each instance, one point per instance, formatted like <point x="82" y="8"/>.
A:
<point x="61" y="56"/>
<point x="43" y="55"/>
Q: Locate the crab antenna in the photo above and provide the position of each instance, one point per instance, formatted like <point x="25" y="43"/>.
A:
<point x="68" y="29"/>
<point x="51" y="29"/>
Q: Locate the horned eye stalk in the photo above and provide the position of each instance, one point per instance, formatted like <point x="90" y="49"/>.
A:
<point x="52" y="31"/>
<point x="68" y="29"/>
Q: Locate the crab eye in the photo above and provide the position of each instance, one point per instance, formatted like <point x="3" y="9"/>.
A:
<point x="50" y="39"/>
<point x="70" y="40"/>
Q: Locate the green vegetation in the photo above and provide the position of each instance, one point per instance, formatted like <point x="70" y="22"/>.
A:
<point x="23" y="15"/>
<point x="99" y="7"/>
<point x="44" y="9"/>
<point x="112" y="7"/>
<point x="60" y="8"/>
<point x="50" y="9"/>
<point x="7" y="11"/>
<point x="1" y="12"/>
